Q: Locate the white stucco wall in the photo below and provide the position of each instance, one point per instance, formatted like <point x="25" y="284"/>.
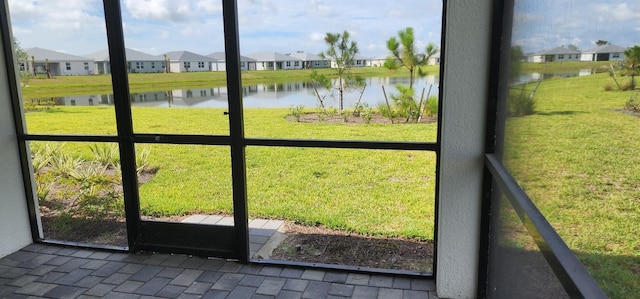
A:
<point x="15" y="230"/>
<point x="468" y="36"/>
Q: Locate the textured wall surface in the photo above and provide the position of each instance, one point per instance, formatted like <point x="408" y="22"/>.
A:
<point x="15" y="232"/>
<point x="465" y="72"/>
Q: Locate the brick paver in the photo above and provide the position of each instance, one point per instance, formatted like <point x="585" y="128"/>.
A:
<point x="56" y="272"/>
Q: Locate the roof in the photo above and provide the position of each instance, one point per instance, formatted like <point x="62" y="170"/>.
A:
<point x="187" y="56"/>
<point x="132" y="55"/>
<point x="220" y="56"/>
<point x="40" y="54"/>
<point x="272" y="56"/>
<point x="307" y="56"/>
<point x="557" y="51"/>
<point x="607" y="49"/>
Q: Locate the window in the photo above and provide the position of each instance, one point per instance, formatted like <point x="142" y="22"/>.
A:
<point x="187" y="64"/>
<point x="616" y="55"/>
<point x="86" y="66"/>
<point x="139" y="65"/>
<point x="201" y="64"/>
<point x="68" y="65"/>
<point x="288" y="63"/>
<point x="297" y="63"/>
<point x="561" y="56"/>
<point x="153" y="65"/>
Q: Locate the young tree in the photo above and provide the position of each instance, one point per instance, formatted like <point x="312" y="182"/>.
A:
<point x="22" y="62"/>
<point x="403" y="51"/>
<point x="341" y="51"/>
<point x="632" y="63"/>
<point x="601" y="42"/>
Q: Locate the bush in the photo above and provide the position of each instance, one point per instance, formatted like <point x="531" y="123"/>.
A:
<point x="608" y="87"/>
<point x="431" y="106"/>
<point x="520" y="103"/>
<point x="404" y="103"/>
<point x="633" y="103"/>
<point x="297" y="111"/>
<point x="626" y="86"/>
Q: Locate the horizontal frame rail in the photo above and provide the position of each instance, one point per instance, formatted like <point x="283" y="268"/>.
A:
<point x="570" y="272"/>
<point x="226" y="140"/>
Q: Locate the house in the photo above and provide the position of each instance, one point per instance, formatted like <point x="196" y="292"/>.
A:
<point x="311" y="61"/>
<point x="219" y="65"/>
<point x="185" y="61"/>
<point x="434" y="60"/>
<point x="556" y="54"/>
<point x="378" y="60"/>
<point x="358" y="61"/>
<point x="603" y="53"/>
<point x="275" y="61"/>
<point x="58" y="63"/>
<point x="137" y="62"/>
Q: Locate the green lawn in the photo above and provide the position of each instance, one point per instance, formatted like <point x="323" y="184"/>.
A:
<point x="577" y="158"/>
<point x="375" y="192"/>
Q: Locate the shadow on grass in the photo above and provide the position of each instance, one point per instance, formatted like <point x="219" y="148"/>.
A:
<point x="559" y="113"/>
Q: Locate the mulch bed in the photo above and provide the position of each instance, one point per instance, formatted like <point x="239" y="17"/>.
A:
<point x="316" y="244"/>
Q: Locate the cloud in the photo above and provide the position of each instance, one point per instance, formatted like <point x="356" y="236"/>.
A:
<point x="317" y="36"/>
<point x="160" y="10"/>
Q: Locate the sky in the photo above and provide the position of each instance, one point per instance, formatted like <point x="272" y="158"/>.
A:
<point x="285" y="26"/>
<point x="546" y="24"/>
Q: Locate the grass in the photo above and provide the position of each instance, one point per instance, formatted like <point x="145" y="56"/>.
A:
<point x="376" y="192"/>
<point x="101" y="84"/>
<point x="577" y="158"/>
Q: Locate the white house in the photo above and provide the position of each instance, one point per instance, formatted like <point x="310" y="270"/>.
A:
<point x="185" y="61"/>
<point x="311" y="61"/>
<point x="358" y="61"/>
<point x="275" y="61"/>
<point x="434" y="60"/>
<point x="603" y="53"/>
<point x="378" y="60"/>
<point x="137" y="62"/>
<point x="556" y="54"/>
<point x="220" y="64"/>
<point x="59" y="64"/>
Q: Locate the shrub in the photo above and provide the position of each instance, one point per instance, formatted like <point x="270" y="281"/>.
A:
<point x="626" y="86"/>
<point x="520" y="103"/>
<point x="64" y="164"/>
<point x="43" y="190"/>
<point x="431" y="106"/>
<point x="608" y="87"/>
<point x="633" y="103"/>
<point x="366" y="113"/>
<point x="297" y="111"/>
<point x="105" y="154"/>
<point x="404" y="103"/>
<point x="384" y="110"/>
<point x="142" y="160"/>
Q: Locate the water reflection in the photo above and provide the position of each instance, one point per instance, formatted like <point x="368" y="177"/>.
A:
<point x="524" y="78"/>
<point x="275" y="95"/>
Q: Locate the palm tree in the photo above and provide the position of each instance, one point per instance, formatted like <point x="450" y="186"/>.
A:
<point x="632" y="63"/>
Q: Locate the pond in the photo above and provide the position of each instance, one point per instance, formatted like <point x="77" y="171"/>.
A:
<point x="280" y="95"/>
<point x="529" y="77"/>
